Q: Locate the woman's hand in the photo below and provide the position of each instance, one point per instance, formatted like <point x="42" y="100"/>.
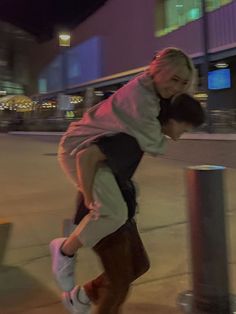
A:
<point x="94" y="210"/>
<point x="92" y="205"/>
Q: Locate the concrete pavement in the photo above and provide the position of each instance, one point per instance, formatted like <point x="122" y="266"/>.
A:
<point x="36" y="197"/>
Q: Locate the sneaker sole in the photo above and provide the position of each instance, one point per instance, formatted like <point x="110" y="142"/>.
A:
<point x="67" y="304"/>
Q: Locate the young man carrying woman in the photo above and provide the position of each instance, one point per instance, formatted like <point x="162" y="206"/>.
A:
<point x="131" y="111"/>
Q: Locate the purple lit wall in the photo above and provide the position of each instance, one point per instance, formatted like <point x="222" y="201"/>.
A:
<point x="84" y="63"/>
<point x="127" y="30"/>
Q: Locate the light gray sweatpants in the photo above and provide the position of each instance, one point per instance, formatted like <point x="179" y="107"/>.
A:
<point x="111" y="204"/>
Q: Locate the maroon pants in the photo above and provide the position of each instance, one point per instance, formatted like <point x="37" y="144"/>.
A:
<point x="124" y="259"/>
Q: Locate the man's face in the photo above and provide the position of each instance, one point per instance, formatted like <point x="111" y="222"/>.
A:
<point x="175" y="129"/>
<point x="174" y="83"/>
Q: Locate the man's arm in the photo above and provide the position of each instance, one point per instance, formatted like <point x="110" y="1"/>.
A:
<point x="87" y="162"/>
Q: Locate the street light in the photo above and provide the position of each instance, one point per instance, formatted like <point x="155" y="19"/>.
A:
<point x="64" y="38"/>
<point x="205" y="66"/>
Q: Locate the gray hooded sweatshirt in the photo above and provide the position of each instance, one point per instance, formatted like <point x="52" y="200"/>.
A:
<point x="133" y="109"/>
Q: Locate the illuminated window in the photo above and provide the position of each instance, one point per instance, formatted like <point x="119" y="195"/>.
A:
<point x="42" y="85"/>
<point x="172" y="14"/>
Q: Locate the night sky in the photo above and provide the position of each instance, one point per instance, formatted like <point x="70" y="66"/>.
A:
<point x="41" y="18"/>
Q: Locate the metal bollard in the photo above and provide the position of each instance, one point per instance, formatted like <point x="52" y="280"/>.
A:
<point x="210" y="277"/>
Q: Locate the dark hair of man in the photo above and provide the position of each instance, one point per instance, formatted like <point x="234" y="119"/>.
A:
<point x="182" y="108"/>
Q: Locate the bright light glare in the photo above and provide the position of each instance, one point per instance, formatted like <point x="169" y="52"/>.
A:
<point x="64" y="37"/>
<point x="221" y="65"/>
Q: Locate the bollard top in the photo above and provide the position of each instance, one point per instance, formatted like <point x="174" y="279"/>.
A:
<point x="206" y="167"/>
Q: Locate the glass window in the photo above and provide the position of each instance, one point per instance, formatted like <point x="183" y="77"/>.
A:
<point x="172" y="14"/>
<point x="215" y="4"/>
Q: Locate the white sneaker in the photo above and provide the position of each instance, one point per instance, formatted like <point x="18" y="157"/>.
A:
<point x="73" y="304"/>
<point x="62" y="266"/>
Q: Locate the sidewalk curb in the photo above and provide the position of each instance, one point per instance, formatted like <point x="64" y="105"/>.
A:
<point x="208" y="136"/>
<point x="34" y="133"/>
<point x="186" y="136"/>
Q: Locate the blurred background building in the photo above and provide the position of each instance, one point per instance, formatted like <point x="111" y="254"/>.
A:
<point x="116" y="42"/>
<point x="14" y="66"/>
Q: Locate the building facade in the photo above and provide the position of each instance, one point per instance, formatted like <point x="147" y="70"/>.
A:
<point x="14" y="67"/>
<point x="120" y="39"/>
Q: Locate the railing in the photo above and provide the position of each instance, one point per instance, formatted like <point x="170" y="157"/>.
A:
<point x="35" y="124"/>
<point x="222" y="121"/>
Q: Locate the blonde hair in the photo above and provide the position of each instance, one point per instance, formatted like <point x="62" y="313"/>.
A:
<point x="166" y="60"/>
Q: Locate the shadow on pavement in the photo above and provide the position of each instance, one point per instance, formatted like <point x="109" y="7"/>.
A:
<point x="5" y="231"/>
<point x="19" y="292"/>
<point x="140" y="308"/>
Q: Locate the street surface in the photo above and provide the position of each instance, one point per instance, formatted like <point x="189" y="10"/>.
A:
<point x="36" y="198"/>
